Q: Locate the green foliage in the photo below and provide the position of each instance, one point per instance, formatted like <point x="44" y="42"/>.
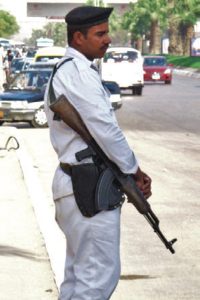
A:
<point x="139" y="17"/>
<point x="150" y="18"/>
<point x="184" y="61"/>
<point x="36" y="34"/>
<point x="183" y="15"/>
<point x="57" y="32"/>
<point x="8" y="24"/>
<point x="186" y="11"/>
<point x="95" y="3"/>
<point x="118" y="35"/>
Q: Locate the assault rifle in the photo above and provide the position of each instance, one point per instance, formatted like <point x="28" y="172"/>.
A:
<point x="65" y="110"/>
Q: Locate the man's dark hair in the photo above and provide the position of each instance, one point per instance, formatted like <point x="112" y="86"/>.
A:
<point x="72" y="29"/>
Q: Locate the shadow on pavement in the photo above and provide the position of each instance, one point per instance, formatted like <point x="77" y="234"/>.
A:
<point x="6" y="250"/>
<point x="135" y="277"/>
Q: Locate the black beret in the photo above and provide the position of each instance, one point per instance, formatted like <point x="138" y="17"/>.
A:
<point x="88" y="15"/>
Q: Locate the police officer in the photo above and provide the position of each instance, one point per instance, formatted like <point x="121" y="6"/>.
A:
<point x="92" y="267"/>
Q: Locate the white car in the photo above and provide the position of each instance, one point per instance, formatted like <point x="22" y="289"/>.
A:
<point x="125" y="66"/>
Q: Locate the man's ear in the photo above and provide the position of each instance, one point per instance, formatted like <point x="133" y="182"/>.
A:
<point x="78" y="38"/>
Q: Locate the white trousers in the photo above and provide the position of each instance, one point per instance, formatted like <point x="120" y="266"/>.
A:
<point x="92" y="268"/>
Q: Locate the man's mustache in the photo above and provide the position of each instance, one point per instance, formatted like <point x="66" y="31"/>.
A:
<point x="105" y="47"/>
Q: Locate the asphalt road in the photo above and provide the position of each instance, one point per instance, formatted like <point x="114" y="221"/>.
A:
<point x="163" y="128"/>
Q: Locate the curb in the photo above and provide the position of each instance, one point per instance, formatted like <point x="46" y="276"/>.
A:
<point x="187" y="72"/>
<point x="53" y="238"/>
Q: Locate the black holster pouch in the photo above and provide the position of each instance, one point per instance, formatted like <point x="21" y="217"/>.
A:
<point x="84" y="181"/>
<point x="95" y="189"/>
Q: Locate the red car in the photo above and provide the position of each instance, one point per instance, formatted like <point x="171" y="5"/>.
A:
<point x="156" y="69"/>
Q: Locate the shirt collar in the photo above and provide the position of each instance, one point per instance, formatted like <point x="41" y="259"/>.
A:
<point x="75" y="53"/>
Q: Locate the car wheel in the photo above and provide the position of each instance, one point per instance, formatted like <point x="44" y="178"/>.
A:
<point x="1" y="123"/>
<point x="168" y="82"/>
<point x="134" y="91"/>
<point x="39" y="120"/>
<point x="139" y="91"/>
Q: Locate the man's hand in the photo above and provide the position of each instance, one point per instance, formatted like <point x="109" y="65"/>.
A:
<point x="143" y="181"/>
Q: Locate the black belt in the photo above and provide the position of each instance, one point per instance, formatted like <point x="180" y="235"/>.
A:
<point x="67" y="168"/>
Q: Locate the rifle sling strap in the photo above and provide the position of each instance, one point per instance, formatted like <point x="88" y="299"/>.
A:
<point x="52" y="96"/>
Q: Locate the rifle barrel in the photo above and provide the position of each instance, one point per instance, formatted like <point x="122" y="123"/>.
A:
<point x="154" y="222"/>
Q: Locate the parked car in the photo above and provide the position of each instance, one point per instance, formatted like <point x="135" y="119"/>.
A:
<point x="23" y="98"/>
<point x="124" y="65"/>
<point x="156" y="69"/>
<point x="115" y="93"/>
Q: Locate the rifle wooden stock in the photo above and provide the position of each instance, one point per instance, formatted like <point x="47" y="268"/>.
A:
<point x="71" y="117"/>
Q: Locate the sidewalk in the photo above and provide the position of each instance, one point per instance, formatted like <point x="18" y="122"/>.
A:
<point x="25" y="272"/>
<point x="189" y="72"/>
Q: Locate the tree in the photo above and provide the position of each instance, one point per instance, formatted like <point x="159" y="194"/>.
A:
<point x="118" y="35"/>
<point x="8" y="24"/>
<point x="147" y="17"/>
<point x="175" y="42"/>
<point x="52" y="30"/>
<point x="136" y="25"/>
<point x="183" y="15"/>
<point x="57" y="32"/>
<point x="36" y="34"/>
<point x="189" y="13"/>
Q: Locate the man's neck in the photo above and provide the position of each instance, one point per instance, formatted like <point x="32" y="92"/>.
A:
<point x="80" y="50"/>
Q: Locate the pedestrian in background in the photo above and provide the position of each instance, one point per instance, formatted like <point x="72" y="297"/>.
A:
<point x="2" y="75"/>
<point x="9" y="57"/>
<point x="92" y="268"/>
<point x="6" y="68"/>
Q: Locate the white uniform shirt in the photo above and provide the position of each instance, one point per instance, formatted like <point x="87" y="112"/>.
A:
<point x="82" y="86"/>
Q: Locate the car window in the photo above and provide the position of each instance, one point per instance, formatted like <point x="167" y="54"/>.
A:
<point x="117" y="56"/>
<point x="30" y="80"/>
<point x="17" y="65"/>
<point x="16" y="62"/>
<point x="31" y="53"/>
<point x="154" y="61"/>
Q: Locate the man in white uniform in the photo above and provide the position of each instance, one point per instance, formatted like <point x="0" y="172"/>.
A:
<point x="92" y="267"/>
